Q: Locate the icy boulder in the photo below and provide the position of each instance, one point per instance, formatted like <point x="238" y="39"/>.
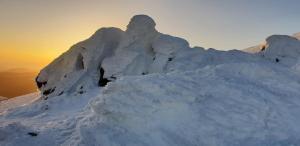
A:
<point x="109" y="54"/>
<point x="80" y="67"/>
<point x="135" y="52"/>
<point x="282" y="48"/>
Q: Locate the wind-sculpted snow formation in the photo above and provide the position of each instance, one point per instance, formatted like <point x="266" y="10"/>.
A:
<point x="109" y="54"/>
<point x="141" y="87"/>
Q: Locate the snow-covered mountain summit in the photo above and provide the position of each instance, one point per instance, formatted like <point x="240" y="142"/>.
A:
<point x="109" y="54"/>
<point x="141" y="87"/>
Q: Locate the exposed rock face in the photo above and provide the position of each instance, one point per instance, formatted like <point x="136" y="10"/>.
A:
<point x="109" y="54"/>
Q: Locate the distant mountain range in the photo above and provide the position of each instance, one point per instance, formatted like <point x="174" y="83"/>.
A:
<point x="16" y="82"/>
<point x="2" y="98"/>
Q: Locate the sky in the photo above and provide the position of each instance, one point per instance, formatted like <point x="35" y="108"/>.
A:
<point x="34" y="32"/>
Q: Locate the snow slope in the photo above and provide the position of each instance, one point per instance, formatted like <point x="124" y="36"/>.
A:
<point x="162" y="92"/>
<point x="18" y="101"/>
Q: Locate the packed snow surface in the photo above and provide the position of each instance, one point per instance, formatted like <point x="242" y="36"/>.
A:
<point x="18" y="101"/>
<point x="144" y="88"/>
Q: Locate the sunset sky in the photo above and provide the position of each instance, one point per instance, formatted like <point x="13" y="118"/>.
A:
<point x="34" y="32"/>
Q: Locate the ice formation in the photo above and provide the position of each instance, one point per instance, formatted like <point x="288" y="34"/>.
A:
<point x="109" y="54"/>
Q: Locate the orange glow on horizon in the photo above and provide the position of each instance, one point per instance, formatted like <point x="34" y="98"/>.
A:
<point x="34" y="50"/>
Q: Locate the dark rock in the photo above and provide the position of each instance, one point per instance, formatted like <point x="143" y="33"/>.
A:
<point x="32" y="134"/>
<point x="61" y="93"/>
<point x="40" y="84"/>
<point x="49" y="91"/>
<point x="102" y="81"/>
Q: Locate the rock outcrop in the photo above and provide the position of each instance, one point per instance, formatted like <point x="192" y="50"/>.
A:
<point x="109" y="54"/>
<point x="140" y="50"/>
<point x="282" y="49"/>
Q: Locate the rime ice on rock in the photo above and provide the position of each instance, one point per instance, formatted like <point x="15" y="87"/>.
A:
<point x="109" y="54"/>
<point x="79" y="67"/>
<point x="282" y="48"/>
<point x="140" y="50"/>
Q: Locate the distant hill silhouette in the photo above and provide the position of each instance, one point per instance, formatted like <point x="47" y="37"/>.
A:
<point x="17" y="82"/>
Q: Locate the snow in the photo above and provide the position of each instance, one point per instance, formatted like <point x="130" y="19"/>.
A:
<point x="110" y="53"/>
<point x="162" y="92"/>
<point x="18" y="101"/>
<point x="78" y="68"/>
<point x="282" y="48"/>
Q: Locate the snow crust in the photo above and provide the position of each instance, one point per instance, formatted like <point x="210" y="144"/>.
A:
<point x="161" y="92"/>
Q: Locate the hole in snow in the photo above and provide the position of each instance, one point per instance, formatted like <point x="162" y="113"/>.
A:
<point x="79" y="62"/>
